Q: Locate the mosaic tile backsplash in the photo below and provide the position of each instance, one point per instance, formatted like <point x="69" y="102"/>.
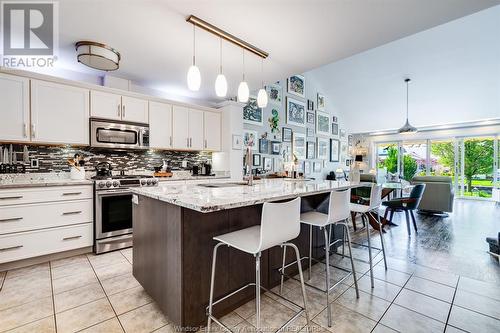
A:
<point x="54" y="158"/>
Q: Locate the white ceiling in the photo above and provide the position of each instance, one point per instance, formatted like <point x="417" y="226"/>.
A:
<point x="156" y="42"/>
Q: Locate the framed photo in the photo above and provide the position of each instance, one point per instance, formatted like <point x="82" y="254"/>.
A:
<point x="310" y="150"/>
<point x="322" y="148"/>
<point x="299" y="145"/>
<point x="307" y="167"/>
<point x="342" y="133"/>
<point x="264" y="146"/>
<point x="256" y="160"/>
<point x="295" y="112"/>
<point x="310" y="105"/>
<point x="349" y="140"/>
<point x="275" y="147"/>
<point x="335" y="119"/>
<point x="316" y="167"/>
<point x="310" y="132"/>
<point x="296" y="85"/>
<point x="237" y="142"/>
<point x="274" y="93"/>
<point x="348" y="162"/>
<point x="268" y="164"/>
<point x="320" y="102"/>
<point x="250" y="139"/>
<point x="334" y="150"/>
<point x="286" y="134"/>
<point x="322" y="123"/>
<point x="311" y="118"/>
<point x="343" y="148"/>
<point x="252" y="114"/>
<point x="335" y="129"/>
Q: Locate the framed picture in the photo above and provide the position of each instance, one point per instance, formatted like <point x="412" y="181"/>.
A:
<point x="334" y="150"/>
<point x="335" y="119"/>
<point x="316" y="167"/>
<point x="256" y="160"/>
<point x="342" y="133"/>
<point x="348" y="162"/>
<point x="307" y="167"/>
<point x="299" y="145"/>
<point x="264" y="146"/>
<point x="274" y="93"/>
<point x="349" y="140"/>
<point x="311" y="118"/>
<point x="237" y="142"/>
<point x="277" y="164"/>
<point x="322" y="123"/>
<point x="250" y="139"/>
<point x="335" y="129"/>
<point x="310" y="105"/>
<point x="268" y="164"/>
<point x="252" y="114"/>
<point x="275" y="147"/>
<point x="296" y="85"/>
<point x="286" y="134"/>
<point x="320" y="102"/>
<point x="295" y="112"/>
<point x="343" y="148"/>
<point x="310" y="132"/>
<point x="310" y="150"/>
<point x="322" y="144"/>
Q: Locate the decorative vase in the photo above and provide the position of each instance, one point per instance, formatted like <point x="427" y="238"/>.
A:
<point x="76" y="174"/>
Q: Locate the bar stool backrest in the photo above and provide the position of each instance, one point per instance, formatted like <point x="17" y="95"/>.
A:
<point x="280" y="222"/>
<point x="338" y="209"/>
<point x="376" y="196"/>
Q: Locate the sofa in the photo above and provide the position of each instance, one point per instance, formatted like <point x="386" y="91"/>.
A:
<point x="438" y="195"/>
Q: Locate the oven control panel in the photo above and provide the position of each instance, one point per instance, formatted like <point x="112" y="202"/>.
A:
<point x="107" y="184"/>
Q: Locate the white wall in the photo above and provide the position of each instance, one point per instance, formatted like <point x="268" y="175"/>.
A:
<point x="455" y="70"/>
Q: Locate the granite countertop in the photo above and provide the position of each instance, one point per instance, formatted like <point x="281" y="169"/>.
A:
<point x="210" y="199"/>
<point x="40" y="180"/>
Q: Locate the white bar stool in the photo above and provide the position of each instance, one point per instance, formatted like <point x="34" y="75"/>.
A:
<point x="366" y="212"/>
<point x="338" y="214"/>
<point x="280" y="223"/>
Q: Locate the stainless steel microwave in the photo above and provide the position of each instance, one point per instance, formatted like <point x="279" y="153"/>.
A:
<point x="109" y="134"/>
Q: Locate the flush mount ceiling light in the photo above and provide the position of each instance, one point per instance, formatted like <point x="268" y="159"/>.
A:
<point x="98" y="56"/>
<point x="407" y="128"/>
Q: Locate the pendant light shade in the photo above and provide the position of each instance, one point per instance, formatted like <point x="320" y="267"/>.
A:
<point x="221" y="85"/>
<point x="194" y="75"/>
<point x="243" y="92"/>
<point x="407" y="127"/>
<point x="262" y="98"/>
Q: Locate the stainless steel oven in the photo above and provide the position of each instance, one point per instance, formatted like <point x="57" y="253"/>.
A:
<point x="109" y="134"/>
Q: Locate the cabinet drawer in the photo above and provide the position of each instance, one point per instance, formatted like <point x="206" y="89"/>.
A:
<point x="44" y="194"/>
<point x="19" y="218"/>
<point x="37" y="243"/>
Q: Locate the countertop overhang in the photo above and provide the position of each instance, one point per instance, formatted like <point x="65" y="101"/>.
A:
<point x="206" y="199"/>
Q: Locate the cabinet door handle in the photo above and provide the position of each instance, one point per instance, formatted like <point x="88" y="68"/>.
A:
<point x="9" y="198"/>
<point x="190" y="142"/>
<point x="170" y="141"/>
<point x="33" y="130"/>
<point x="72" y="193"/>
<point x="71" y="237"/>
<point x="119" y="110"/>
<point x="123" y="112"/>
<point x="11" y="248"/>
<point x="187" y="142"/>
<point x="72" y="213"/>
<point x="12" y="219"/>
<point x="25" y="130"/>
<point x="205" y="143"/>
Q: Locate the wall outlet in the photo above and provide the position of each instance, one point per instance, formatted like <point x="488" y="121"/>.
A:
<point x="34" y="163"/>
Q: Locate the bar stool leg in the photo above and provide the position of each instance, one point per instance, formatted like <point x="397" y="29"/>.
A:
<point x="212" y="283"/>
<point x="310" y="251"/>
<point x="283" y="270"/>
<point x="408" y="222"/>
<point x="257" y="290"/>
<point x="369" y="253"/>
<point x="327" y="259"/>
<point x="382" y="240"/>
<point x="348" y="237"/>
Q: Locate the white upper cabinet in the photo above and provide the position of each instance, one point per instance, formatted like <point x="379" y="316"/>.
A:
<point x="59" y="113"/>
<point x="116" y="107"/>
<point x="14" y="108"/>
<point x="212" y="131"/>
<point x="105" y="105"/>
<point x="160" y="125"/>
<point x="180" y="127"/>
<point x="196" y="129"/>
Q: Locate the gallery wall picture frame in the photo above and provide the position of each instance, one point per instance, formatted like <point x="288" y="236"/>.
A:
<point x="320" y="102"/>
<point x="349" y="140"/>
<point x="335" y="129"/>
<point x="295" y="112"/>
<point x="256" y="160"/>
<point x="252" y="113"/>
<point x="342" y="133"/>
<point x="311" y="118"/>
<point x="268" y="163"/>
<point x="348" y="162"/>
<point x="250" y="139"/>
<point x="323" y="148"/>
<point x="296" y="85"/>
<point x="264" y="146"/>
<point x="275" y="93"/>
<point x="322" y="123"/>
<point x="334" y="150"/>
<point x="286" y="134"/>
<point x="310" y="132"/>
<point x="275" y="147"/>
<point x="307" y="167"/>
<point x="335" y="119"/>
<point x="278" y="164"/>
<point x="237" y="142"/>
<point x="317" y="167"/>
<point x="310" y="105"/>
<point x="299" y="145"/>
<point x="310" y="150"/>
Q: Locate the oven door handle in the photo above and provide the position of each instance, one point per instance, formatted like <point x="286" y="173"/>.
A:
<point x="109" y="193"/>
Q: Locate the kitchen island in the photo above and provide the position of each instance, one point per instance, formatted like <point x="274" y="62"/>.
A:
<point x="173" y="231"/>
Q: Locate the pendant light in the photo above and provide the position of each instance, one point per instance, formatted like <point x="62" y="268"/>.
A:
<point x="243" y="91"/>
<point x="220" y="81"/>
<point x="262" y="94"/>
<point x="407" y="128"/>
<point x="193" y="75"/>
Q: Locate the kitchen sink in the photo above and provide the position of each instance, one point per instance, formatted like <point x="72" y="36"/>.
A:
<point x="220" y="185"/>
